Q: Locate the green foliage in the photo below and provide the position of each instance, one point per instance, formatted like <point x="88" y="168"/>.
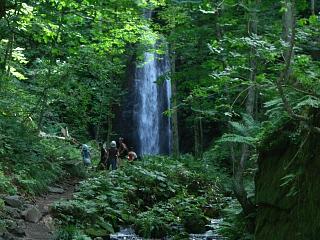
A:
<point x="234" y="222"/>
<point x="70" y="233"/>
<point x="6" y="185"/>
<point x="245" y="132"/>
<point x="2" y="204"/>
<point x="64" y="64"/>
<point x="161" y="193"/>
<point x="30" y="163"/>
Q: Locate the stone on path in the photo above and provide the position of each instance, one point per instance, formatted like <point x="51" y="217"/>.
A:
<point x="48" y="222"/>
<point x="55" y="190"/>
<point x="13" y="201"/>
<point x="17" y="228"/>
<point x="37" y="231"/>
<point x="32" y="214"/>
<point x="12" y="212"/>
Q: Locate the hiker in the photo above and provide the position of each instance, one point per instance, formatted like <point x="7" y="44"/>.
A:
<point x="123" y="150"/>
<point x="103" y="157"/>
<point x="132" y="155"/>
<point x="113" y="155"/>
<point x="86" y="155"/>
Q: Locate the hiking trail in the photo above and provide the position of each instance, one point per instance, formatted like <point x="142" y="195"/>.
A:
<point x="43" y="230"/>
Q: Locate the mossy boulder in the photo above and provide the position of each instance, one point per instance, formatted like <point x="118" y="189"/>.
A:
<point x="287" y="186"/>
<point x="194" y="222"/>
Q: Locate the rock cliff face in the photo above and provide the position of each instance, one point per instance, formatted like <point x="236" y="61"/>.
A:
<point x="287" y="186"/>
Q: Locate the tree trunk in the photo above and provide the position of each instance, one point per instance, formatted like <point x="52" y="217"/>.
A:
<point x="109" y="126"/>
<point x="2" y="8"/>
<point x="288" y="25"/>
<point x="43" y="109"/>
<point x="241" y="193"/>
<point x="312" y="7"/>
<point x="253" y="31"/>
<point x="99" y="124"/>
<point x="175" y="131"/>
<point x="8" y="55"/>
<point x="196" y="129"/>
<point x="201" y="136"/>
<point x="240" y="163"/>
<point x="288" y="36"/>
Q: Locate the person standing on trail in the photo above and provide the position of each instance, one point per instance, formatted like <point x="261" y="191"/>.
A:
<point x="113" y="155"/>
<point x="103" y="156"/>
<point x="123" y="150"/>
<point x="132" y="155"/>
<point x="86" y="155"/>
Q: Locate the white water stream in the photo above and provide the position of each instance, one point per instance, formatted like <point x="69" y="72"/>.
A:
<point x="129" y="234"/>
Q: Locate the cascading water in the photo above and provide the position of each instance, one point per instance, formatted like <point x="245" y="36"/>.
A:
<point x="153" y="128"/>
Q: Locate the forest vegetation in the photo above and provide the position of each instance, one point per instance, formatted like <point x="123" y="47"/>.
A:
<point x="245" y="78"/>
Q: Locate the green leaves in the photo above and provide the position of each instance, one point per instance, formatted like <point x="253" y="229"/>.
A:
<point x="154" y="195"/>
<point x="234" y="138"/>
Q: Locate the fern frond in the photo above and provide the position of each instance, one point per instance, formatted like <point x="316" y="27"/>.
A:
<point x="273" y="103"/>
<point x="234" y="138"/>
<point x="239" y="127"/>
<point x="309" y="101"/>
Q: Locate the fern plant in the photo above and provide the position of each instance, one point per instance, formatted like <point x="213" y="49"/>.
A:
<point x="244" y="132"/>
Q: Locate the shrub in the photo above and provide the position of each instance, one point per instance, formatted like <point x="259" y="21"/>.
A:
<point x="156" y="191"/>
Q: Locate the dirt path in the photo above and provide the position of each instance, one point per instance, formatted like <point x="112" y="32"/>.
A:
<point x="44" y="228"/>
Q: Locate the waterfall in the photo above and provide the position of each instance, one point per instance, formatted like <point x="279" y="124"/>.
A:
<point x="153" y="128"/>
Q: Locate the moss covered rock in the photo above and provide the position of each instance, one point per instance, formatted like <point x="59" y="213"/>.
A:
<point x="287" y="186"/>
<point x="194" y="222"/>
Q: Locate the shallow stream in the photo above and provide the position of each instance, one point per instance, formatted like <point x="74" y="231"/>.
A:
<point x="128" y="233"/>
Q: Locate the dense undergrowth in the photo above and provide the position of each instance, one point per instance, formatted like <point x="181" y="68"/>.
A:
<point x="158" y="196"/>
<point x="29" y="163"/>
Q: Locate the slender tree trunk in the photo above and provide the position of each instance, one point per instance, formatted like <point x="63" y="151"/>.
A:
<point x="288" y="36"/>
<point x="240" y="163"/>
<point x="197" y="137"/>
<point x="8" y="55"/>
<point x="240" y="192"/>
<point x="2" y="8"/>
<point x="43" y="102"/>
<point x="201" y="136"/>
<point x="253" y="31"/>
<point x="42" y="112"/>
<point x="175" y="130"/>
<point x="312" y="7"/>
<point x="288" y="25"/>
<point x="98" y="131"/>
<point x="109" y="125"/>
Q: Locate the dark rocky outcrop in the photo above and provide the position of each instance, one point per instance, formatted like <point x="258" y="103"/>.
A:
<point x="13" y="201"/>
<point x="287" y="185"/>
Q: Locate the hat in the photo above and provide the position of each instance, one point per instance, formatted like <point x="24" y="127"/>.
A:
<point x="113" y="144"/>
